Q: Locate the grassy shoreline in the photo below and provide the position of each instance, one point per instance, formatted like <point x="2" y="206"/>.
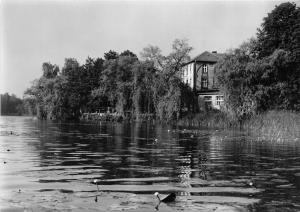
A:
<point x="275" y="126"/>
<point x="271" y="125"/>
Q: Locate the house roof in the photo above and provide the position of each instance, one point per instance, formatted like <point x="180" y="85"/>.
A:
<point x="208" y="57"/>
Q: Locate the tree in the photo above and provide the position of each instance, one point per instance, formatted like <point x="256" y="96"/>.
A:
<point x="278" y="42"/>
<point x="41" y="98"/>
<point x="116" y="83"/>
<point x="49" y="70"/>
<point x="11" y="105"/>
<point x="128" y="53"/>
<point x="111" y="55"/>
<point x="153" y="54"/>
<point x="167" y="87"/>
<point x="89" y="80"/>
<point x="72" y="87"/>
<point x="234" y="79"/>
<point x="279" y="29"/>
<point x="179" y="55"/>
<point x="263" y="73"/>
<point x="120" y="81"/>
<point x="253" y="85"/>
<point x="144" y="75"/>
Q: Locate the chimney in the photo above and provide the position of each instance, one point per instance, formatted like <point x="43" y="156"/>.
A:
<point x="215" y="52"/>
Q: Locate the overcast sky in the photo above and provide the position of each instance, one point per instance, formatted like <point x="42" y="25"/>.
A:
<point x="34" y="32"/>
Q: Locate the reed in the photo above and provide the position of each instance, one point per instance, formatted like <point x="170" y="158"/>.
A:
<point x="209" y="119"/>
<point x="271" y="125"/>
<point x="274" y="126"/>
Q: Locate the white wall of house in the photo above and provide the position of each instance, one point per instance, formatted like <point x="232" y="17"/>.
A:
<point x="188" y="74"/>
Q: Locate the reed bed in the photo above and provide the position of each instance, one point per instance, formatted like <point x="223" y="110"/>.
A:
<point x="211" y="119"/>
<point x="271" y="125"/>
<point x="275" y="126"/>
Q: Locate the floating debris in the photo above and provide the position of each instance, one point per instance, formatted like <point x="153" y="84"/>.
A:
<point x="170" y="198"/>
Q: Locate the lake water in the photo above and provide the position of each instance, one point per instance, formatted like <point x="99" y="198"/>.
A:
<point x="49" y="166"/>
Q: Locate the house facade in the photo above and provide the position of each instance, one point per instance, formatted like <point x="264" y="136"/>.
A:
<point x="199" y="74"/>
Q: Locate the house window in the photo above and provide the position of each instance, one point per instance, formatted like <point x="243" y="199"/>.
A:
<point x="207" y="98"/>
<point x="220" y="100"/>
<point x="204" y="83"/>
<point x="205" y="68"/>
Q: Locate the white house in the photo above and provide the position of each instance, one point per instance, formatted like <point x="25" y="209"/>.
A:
<point x="199" y="74"/>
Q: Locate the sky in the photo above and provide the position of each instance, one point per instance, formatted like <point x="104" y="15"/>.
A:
<point x="34" y="32"/>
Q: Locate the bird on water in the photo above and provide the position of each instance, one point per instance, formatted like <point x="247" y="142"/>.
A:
<point x="96" y="182"/>
<point x="170" y="198"/>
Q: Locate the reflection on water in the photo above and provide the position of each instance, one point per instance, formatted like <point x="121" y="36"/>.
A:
<point x="47" y="165"/>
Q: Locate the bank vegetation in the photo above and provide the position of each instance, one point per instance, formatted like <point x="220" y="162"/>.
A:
<point x="259" y="76"/>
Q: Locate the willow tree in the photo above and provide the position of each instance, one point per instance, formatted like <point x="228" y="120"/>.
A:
<point x="41" y="94"/>
<point x="166" y="87"/>
<point x="116" y="80"/>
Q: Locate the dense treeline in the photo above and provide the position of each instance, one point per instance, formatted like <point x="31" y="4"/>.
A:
<point x="11" y="105"/>
<point x="120" y="81"/>
<point x="264" y="72"/>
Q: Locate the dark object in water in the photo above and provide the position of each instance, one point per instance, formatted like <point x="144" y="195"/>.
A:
<point x="8" y="150"/>
<point x="170" y="198"/>
<point x="96" y="182"/>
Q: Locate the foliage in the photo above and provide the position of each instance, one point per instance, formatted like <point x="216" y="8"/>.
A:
<point x="121" y="82"/>
<point x="153" y="54"/>
<point x="11" y="105"/>
<point x="116" y="82"/>
<point x="111" y="55"/>
<point x="263" y="73"/>
<point x="65" y="94"/>
<point x="278" y="30"/>
<point x="251" y="85"/>
<point x="144" y="74"/>
<point x="232" y="76"/>
<point x="168" y="88"/>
